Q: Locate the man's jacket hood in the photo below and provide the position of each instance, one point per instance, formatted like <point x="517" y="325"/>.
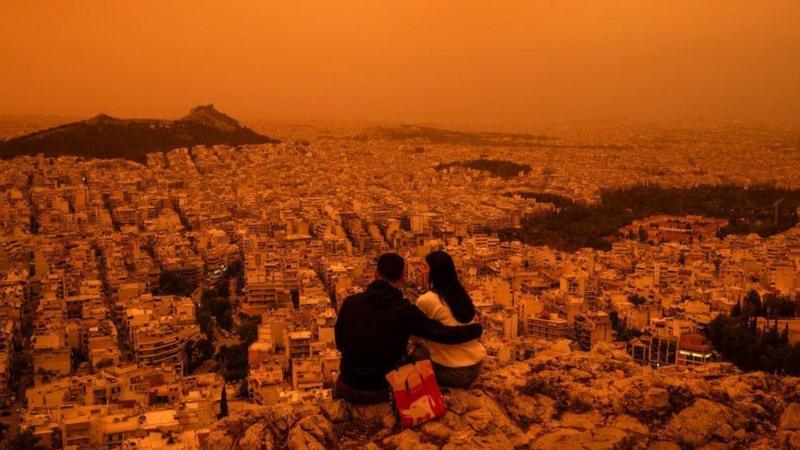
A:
<point x="382" y="294"/>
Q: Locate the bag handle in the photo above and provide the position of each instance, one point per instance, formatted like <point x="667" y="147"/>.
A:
<point x="421" y="379"/>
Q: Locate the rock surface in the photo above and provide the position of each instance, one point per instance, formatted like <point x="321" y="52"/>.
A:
<point x="557" y="399"/>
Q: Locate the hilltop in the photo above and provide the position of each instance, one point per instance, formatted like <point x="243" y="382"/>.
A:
<point x="557" y="399"/>
<point x="106" y="137"/>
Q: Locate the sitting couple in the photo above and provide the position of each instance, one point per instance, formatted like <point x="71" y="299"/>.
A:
<point x="373" y="329"/>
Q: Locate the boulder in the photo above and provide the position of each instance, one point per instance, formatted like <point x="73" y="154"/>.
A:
<point x="607" y="438"/>
<point x="301" y="440"/>
<point x="656" y="399"/>
<point x="581" y="422"/>
<point x="523" y="409"/>
<point x="371" y="417"/>
<point x="793" y="441"/>
<point x="257" y="437"/>
<point x="790" y="419"/>
<point x="663" y="445"/>
<point x="461" y="401"/>
<point x="580" y="375"/>
<point x="407" y="440"/>
<point x="562" y="438"/>
<point x="701" y="422"/>
<point x="219" y="440"/>
<point x="629" y="424"/>
<point x="317" y="426"/>
<point x="335" y="410"/>
<point x="436" y="430"/>
<point x="715" y="446"/>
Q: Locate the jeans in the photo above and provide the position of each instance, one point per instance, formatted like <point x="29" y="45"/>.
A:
<point x="359" y="396"/>
<point x="457" y="377"/>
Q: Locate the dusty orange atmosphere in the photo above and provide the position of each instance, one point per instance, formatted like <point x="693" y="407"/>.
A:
<point x="453" y="61"/>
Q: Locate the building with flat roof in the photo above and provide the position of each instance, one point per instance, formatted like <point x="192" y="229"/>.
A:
<point x="693" y="350"/>
<point x="552" y="327"/>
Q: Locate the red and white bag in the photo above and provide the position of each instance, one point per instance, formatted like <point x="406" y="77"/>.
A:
<point x="416" y="394"/>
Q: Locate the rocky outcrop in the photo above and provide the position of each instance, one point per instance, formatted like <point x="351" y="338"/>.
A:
<point x="106" y="137"/>
<point x="557" y="399"/>
<point x="790" y="427"/>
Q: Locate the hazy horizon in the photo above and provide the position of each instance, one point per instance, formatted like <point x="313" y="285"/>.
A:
<point x="449" y="63"/>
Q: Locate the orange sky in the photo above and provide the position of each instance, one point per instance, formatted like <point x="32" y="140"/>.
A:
<point x="459" y="61"/>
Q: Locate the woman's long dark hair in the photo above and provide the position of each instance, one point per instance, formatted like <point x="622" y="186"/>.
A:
<point x="443" y="280"/>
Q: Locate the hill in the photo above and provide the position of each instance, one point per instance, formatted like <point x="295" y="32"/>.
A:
<point x="107" y="137"/>
<point x="558" y="399"/>
<point x="442" y="136"/>
<point x="455" y="137"/>
<point x="575" y="225"/>
<point x="496" y="167"/>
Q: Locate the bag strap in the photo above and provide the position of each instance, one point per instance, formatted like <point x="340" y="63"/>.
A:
<point x="421" y="379"/>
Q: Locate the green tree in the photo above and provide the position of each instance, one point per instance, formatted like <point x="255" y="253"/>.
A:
<point x="737" y="310"/>
<point x="748" y="349"/>
<point x="236" y="271"/>
<point x="643" y="236"/>
<point x="225" y="320"/>
<point x="223" y="403"/>
<point x="25" y="440"/>
<point x="248" y="332"/>
<point x="623" y="332"/>
<point x="20" y="367"/>
<point x="105" y="362"/>
<point x="613" y="317"/>
<point x="233" y="360"/>
<point x="575" y="225"/>
<point x="637" y="299"/>
<point x="779" y="305"/>
<point x="218" y="307"/>
<point x="244" y="391"/>
<point x="205" y="321"/>
<point x="752" y="305"/>
<point x="171" y="284"/>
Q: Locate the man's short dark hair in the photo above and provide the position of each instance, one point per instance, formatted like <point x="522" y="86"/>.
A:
<point x="391" y="266"/>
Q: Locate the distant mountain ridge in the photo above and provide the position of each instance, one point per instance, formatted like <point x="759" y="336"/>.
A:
<point x="444" y="136"/>
<point x="107" y="137"/>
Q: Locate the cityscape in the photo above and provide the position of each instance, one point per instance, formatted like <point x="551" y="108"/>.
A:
<point x="189" y="282"/>
<point x="135" y="292"/>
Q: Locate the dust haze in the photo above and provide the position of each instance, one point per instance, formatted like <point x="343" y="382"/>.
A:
<point x="448" y="62"/>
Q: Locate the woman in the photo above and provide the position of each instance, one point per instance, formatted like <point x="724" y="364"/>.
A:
<point x="447" y="301"/>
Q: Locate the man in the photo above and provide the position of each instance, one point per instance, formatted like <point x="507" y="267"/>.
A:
<point x="372" y="332"/>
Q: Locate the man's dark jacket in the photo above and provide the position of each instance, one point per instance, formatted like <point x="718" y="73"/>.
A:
<point x="372" y="332"/>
